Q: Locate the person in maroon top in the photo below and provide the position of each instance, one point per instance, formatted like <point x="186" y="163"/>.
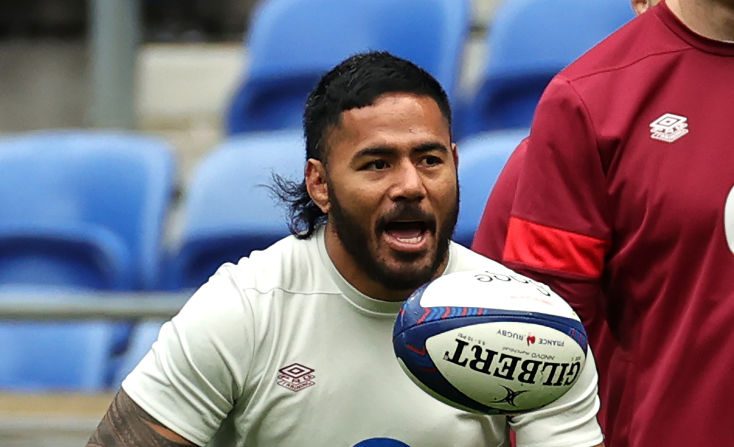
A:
<point x="490" y="241"/>
<point x="625" y="205"/>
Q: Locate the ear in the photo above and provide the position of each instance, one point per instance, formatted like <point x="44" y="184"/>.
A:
<point x="640" y="6"/>
<point x="455" y="154"/>
<point x="316" y="184"/>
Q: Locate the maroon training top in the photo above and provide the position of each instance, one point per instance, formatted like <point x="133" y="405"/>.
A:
<point x="625" y="205"/>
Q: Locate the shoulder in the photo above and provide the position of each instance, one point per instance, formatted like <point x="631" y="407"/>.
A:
<point x="638" y="45"/>
<point x="240" y="301"/>
<point x="248" y="290"/>
<point x="291" y="265"/>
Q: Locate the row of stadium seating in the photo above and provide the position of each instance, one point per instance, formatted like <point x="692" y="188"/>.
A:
<point x="292" y="42"/>
<point x="89" y="208"/>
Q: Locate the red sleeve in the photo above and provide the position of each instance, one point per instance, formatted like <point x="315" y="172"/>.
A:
<point x="489" y="238"/>
<point x="558" y="229"/>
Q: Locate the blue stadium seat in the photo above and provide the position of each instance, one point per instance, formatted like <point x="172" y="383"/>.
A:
<point x="293" y="42"/>
<point x="481" y="158"/>
<point x="83" y="208"/>
<point x="55" y="356"/>
<point x="529" y="41"/>
<point x="228" y="210"/>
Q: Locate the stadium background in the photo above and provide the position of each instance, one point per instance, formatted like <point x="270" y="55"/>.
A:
<point x="170" y="69"/>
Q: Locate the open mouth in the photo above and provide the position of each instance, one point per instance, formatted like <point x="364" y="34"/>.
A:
<point x="406" y="235"/>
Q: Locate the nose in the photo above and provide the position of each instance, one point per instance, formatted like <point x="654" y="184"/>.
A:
<point x="409" y="183"/>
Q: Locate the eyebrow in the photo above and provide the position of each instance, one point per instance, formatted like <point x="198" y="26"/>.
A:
<point x="376" y="151"/>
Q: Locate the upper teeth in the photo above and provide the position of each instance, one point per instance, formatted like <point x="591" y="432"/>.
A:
<point x="410" y="240"/>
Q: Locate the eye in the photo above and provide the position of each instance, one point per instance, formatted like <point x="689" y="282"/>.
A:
<point x="432" y="160"/>
<point x="376" y="165"/>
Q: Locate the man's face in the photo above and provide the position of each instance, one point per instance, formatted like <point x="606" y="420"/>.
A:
<point x="393" y="193"/>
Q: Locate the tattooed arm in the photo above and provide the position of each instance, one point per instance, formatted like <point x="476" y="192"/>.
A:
<point x="128" y="425"/>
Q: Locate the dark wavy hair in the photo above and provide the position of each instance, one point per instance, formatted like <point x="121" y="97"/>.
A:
<point x="356" y="82"/>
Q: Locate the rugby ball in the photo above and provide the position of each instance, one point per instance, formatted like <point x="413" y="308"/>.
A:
<point x="490" y="341"/>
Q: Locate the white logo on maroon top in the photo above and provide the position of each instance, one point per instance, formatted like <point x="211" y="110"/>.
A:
<point x="296" y="377"/>
<point x="669" y="127"/>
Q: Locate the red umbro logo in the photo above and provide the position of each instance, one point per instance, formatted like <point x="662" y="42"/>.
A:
<point x="296" y="377"/>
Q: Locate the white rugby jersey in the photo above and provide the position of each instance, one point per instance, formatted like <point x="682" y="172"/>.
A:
<point x="280" y="350"/>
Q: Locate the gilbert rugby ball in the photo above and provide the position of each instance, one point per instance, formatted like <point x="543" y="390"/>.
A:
<point x="490" y="341"/>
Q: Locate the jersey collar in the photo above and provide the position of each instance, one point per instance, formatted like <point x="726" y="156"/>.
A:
<point x="695" y="40"/>
<point x="364" y="303"/>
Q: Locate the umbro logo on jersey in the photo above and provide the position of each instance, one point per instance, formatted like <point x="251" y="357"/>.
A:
<point x="669" y="127"/>
<point x="296" y="377"/>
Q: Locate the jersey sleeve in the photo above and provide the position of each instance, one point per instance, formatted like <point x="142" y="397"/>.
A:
<point x="558" y="230"/>
<point x="489" y="238"/>
<point x="195" y="371"/>
<point x="570" y="421"/>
